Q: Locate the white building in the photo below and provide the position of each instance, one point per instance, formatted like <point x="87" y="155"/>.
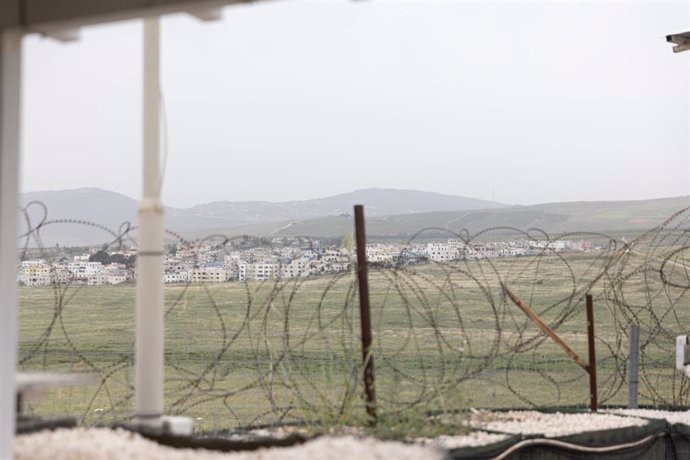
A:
<point x="110" y="275"/>
<point x="443" y="251"/>
<point x="261" y="271"/>
<point x="381" y="253"/>
<point x="209" y="274"/>
<point x="34" y="273"/>
<point x="296" y="268"/>
<point x="83" y="270"/>
<point x="179" y="277"/>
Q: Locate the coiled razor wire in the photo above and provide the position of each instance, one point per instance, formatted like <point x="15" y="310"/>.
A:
<point x="446" y="337"/>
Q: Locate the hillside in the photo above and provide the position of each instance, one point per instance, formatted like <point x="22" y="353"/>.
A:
<point x="111" y="210"/>
<point x="390" y="213"/>
<point x="380" y="202"/>
<point x="107" y="209"/>
<point x="604" y="216"/>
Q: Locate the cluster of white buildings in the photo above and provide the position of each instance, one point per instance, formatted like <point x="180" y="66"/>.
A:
<point x="39" y="272"/>
<point x="454" y="249"/>
<point x="208" y="263"/>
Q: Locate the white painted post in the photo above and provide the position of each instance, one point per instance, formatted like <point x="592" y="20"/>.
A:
<point x="149" y="354"/>
<point x="681" y="352"/>
<point x="10" y="104"/>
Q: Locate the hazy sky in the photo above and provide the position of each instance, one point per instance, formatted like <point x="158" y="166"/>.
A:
<point x="539" y="101"/>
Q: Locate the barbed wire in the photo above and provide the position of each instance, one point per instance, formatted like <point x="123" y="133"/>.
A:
<point x="446" y="337"/>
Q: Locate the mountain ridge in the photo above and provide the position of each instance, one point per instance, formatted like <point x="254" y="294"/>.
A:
<point x="110" y="209"/>
<point x="390" y="213"/>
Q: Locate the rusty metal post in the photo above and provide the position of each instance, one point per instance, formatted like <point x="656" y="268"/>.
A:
<point x="594" y="405"/>
<point x="546" y="329"/>
<point x="365" y="312"/>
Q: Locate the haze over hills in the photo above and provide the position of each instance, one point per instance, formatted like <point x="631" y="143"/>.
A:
<point x="390" y="213"/>
<point x="111" y="209"/>
<point x="379" y="202"/>
<point x="554" y="218"/>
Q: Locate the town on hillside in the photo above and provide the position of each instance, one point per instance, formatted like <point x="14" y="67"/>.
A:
<point x="282" y="258"/>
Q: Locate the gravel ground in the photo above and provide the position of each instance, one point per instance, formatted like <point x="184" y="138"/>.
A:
<point x="549" y="425"/>
<point x="107" y="444"/>
<point x="473" y="439"/>
<point x="669" y="416"/>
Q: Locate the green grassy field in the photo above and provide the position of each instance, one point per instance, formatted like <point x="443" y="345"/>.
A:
<point x="445" y="338"/>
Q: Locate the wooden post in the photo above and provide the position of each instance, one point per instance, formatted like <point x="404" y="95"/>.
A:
<point x="365" y="313"/>
<point x="633" y="365"/>
<point x="594" y="404"/>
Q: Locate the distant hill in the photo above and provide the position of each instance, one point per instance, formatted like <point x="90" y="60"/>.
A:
<point x="106" y="209"/>
<point x="601" y="216"/>
<point x="379" y="202"/>
<point x="390" y="213"/>
<point x="110" y="210"/>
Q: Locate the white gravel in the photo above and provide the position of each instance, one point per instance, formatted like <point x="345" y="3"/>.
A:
<point x="107" y="444"/>
<point x="473" y="439"/>
<point x="669" y="416"/>
<point x="549" y="425"/>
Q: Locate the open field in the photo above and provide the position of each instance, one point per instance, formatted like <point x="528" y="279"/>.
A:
<point x="446" y="338"/>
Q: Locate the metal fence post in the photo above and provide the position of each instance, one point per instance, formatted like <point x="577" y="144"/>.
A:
<point x="594" y="404"/>
<point x="365" y="313"/>
<point x="633" y="365"/>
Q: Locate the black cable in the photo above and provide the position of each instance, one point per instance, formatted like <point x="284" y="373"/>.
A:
<point x="647" y="441"/>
